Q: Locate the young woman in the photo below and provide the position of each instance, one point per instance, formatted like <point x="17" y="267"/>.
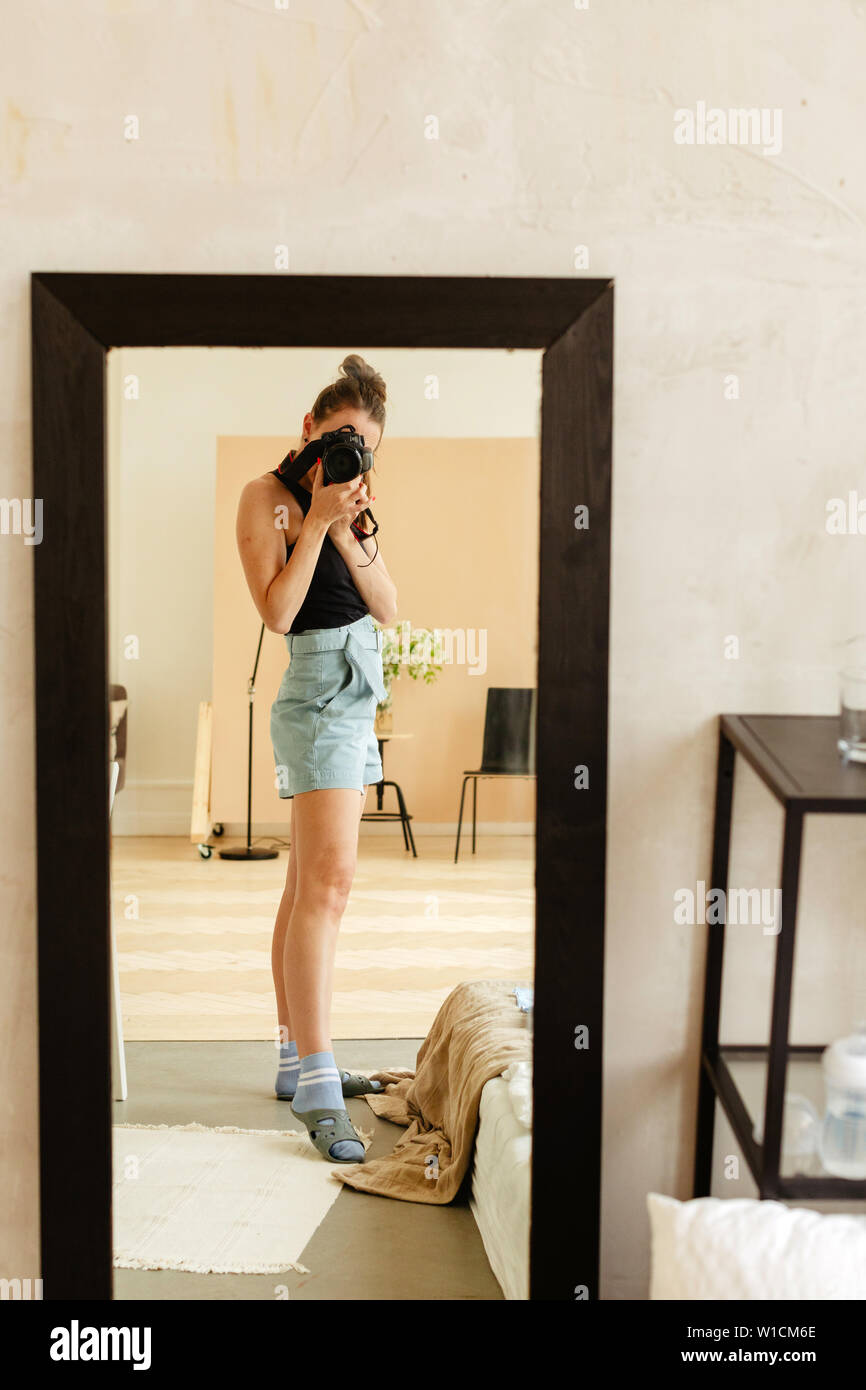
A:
<point x="313" y="580"/>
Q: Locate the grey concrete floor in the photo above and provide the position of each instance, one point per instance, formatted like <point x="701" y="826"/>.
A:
<point x="367" y="1247"/>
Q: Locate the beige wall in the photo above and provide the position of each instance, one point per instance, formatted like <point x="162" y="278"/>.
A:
<point x="458" y="531"/>
<point x="259" y="128"/>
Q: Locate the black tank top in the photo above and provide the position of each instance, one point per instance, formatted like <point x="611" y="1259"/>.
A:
<point x="332" y="599"/>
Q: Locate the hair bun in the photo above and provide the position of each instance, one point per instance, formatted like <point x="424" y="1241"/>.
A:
<point x="355" y="366"/>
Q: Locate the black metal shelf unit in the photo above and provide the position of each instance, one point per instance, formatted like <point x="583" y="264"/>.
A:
<point x="797" y="759"/>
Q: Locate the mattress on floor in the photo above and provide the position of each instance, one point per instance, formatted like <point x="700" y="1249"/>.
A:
<point x="499" y="1197"/>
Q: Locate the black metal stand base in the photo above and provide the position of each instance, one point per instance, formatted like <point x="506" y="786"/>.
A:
<point x="249" y="853"/>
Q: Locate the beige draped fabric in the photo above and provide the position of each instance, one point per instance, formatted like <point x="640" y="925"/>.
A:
<point x="476" y="1034"/>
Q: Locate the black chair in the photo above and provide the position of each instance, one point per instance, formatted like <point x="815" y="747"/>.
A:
<point x="402" y="815"/>
<point x="509" y="745"/>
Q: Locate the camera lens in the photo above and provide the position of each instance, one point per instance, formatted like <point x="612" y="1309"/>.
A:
<point x="342" y="463"/>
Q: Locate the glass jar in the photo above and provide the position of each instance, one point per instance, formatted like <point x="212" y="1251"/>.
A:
<point x="843" y="1132"/>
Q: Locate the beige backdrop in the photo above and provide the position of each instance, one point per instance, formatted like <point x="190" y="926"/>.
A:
<point x="458" y="531"/>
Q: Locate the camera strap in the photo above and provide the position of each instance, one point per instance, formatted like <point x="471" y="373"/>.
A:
<point x="296" y="464"/>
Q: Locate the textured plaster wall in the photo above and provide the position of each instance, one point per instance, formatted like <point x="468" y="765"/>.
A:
<point x="307" y="127"/>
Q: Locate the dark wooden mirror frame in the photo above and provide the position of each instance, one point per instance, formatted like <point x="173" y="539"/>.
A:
<point x="76" y="319"/>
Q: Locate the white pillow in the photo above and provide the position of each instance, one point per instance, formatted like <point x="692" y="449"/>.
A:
<point x="740" y="1248"/>
<point x="519" y="1078"/>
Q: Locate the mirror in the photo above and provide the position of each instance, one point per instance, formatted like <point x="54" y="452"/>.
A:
<point x="219" y="1189"/>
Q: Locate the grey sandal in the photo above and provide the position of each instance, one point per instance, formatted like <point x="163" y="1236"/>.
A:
<point x="354" y="1085"/>
<point x="357" y="1085"/>
<point x="327" y="1127"/>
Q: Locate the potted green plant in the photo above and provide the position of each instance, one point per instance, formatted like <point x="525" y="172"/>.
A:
<point x="418" y="651"/>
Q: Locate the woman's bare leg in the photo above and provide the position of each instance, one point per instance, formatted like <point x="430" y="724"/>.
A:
<point x="279" y="940"/>
<point x="329" y="984"/>
<point x="325" y="838"/>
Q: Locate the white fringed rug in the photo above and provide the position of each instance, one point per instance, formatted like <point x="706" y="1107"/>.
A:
<point x="217" y="1201"/>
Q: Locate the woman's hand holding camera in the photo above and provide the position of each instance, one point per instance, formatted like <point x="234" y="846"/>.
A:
<point x="338" y="504"/>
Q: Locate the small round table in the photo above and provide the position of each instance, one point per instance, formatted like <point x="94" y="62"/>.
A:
<point x="402" y="815"/>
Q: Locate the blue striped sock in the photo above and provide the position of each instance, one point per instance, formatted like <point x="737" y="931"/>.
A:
<point x="287" y="1070"/>
<point x="319" y="1086"/>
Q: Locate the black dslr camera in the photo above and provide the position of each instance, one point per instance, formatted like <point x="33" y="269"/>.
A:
<point x="343" y="454"/>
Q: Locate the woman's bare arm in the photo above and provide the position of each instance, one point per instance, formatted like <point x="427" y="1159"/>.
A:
<point x="278" y="586"/>
<point x="372" y="581"/>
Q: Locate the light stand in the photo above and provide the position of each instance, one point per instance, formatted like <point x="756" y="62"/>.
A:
<point x="248" y="852"/>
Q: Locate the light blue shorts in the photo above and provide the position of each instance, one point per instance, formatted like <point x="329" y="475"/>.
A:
<point x="322" y="719"/>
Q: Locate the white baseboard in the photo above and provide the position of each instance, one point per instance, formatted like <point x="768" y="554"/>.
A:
<point x="153" y="807"/>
